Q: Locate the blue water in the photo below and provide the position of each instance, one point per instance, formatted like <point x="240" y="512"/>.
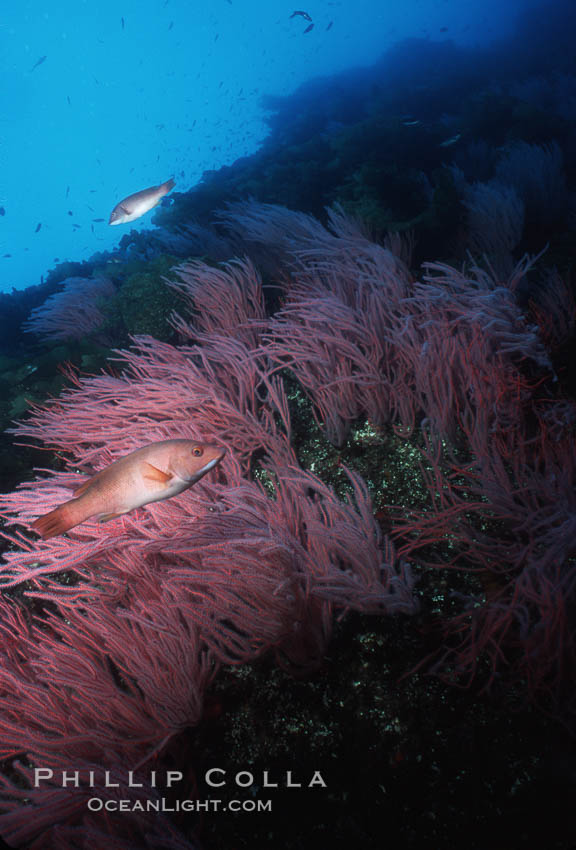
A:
<point x="99" y="100"/>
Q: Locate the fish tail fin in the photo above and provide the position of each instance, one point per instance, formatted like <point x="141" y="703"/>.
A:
<point x="168" y="185"/>
<point x="61" y="519"/>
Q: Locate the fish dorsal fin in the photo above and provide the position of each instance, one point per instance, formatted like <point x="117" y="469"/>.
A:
<point x="152" y="473"/>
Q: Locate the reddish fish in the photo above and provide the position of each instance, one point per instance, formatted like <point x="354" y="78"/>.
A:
<point x="154" y="472"/>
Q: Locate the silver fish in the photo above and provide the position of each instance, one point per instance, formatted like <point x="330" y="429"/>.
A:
<point x="139" y="203"/>
<point x="449" y="142"/>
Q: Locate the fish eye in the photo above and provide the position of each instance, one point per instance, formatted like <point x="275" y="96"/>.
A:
<point x="197" y="451"/>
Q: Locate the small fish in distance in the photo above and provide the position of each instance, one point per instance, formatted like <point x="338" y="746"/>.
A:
<point x="304" y="15"/>
<point x="139" y="203"/>
<point x="447" y="143"/>
<point x="149" y="474"/>
<point x="39" y="62"/>
<point x="309" y="28"/>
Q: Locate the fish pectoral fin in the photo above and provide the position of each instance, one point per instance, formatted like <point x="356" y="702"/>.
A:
<point x="152" y="473"/>
<point x="108" y="517"/>
<point x="79" y="491"/>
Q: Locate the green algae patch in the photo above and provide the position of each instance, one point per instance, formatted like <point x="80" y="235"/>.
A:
<point x="144" y="302"/>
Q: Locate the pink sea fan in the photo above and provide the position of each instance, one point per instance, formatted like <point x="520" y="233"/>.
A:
<point x="340" y="258"/>
<point x="537" y="174"/>
<point x="495" y="222"/>
<point x="96" y="686"/>
<point x="231" y="569"/>
<point x="553" y="305"/>
<point x="455" y="352"/>
<point x="48" y="816"/>
<point x="160" y="601"/>
<point x="73" y="313"/>
<point x="343" y="306"/>
<point x="225" y="551"/>
<point x="271" y="224"/>
<point x="226" y="300"/>
<point x="214" y="391"/>
<point x="261" y="555"/>
<point x="329" y="348"/>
